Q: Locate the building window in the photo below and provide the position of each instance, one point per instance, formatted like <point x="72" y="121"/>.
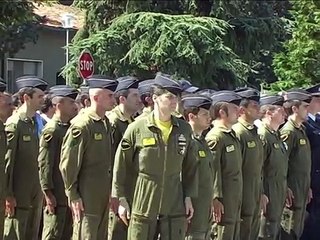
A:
<point x="19" y="67"/>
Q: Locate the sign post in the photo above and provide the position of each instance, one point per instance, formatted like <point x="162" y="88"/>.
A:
<point x="86" y="65"/>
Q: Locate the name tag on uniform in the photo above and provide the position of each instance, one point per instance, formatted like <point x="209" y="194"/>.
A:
<point x="98" y="136"/>
<point x="148" y="141"/>
<point x="202" y="154"/>
<point x="230" y="148"/>
<point x="276" y="145"/>
<point x="303" y="141"/>
<point x="26" y="138"/>
<point x="251" y="144"/>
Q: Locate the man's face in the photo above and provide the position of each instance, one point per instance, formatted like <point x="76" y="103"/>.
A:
<point x="37" y="99"/>
<point x="166" y="102"/>
<point x="202" y="120"/>
<point x="278" y="115"/>
<point x="133" y="101"/>
<point x="252" y="111"/>
<point x="315" y="103"/>
<point x="233" y="113"/>
<point x="302" y="111"/>
<point x="6" y="106"/>
<point x="68" y="107"/>
<point x="106" y="99"/>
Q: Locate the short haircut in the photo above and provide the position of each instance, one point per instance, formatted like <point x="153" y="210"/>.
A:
<point x="267" y="107"/>
<point x="216" y="109"/>
<point x="16" y="99"/>
<point x="244" y="102"/>
<point x="29" y="91"/>
<point x="193" y="110"/>
<point x="289" y="104"/>
<point x="124" y="93"/>
<point x="82" y="97"/>
<point x="47" y="103"/>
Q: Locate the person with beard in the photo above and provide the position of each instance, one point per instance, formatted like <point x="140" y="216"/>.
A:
<point x="227" y="160"/>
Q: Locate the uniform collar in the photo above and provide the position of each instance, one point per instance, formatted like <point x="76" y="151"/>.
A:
<point x="269" y="129"/>
<point x="222" y="128"/>
<point x="312" y="117"/>
<point x="151" y="121"/>
<point x="146" y="110"/>
<point x="120" y="114"/>
<point x="294" y="124"/>
<point x="93" y="115"/>
<point x="247" y="125"/>
<point x="58" y="120"/>
<point x="23" y="116"/>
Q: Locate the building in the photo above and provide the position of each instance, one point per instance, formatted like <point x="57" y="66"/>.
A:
<point x="47" y="56"/>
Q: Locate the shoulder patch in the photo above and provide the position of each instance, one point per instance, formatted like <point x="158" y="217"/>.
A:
<point x="284" y="136"/>
<point x="47" y="137"/>
<point x="76" y="132"/>
<point x="10" y="136"/>
<point x="125" y="144"/>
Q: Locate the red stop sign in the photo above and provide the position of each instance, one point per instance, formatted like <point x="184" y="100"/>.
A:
<point x="86" y="64"/>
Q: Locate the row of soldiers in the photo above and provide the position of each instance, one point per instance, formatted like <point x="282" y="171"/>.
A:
<point x="195" y="164"/>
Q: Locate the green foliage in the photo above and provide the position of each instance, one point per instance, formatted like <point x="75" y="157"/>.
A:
<point x="298" y="65"/>
<point x="17" y="25"/>
<point x="182" y="45"/>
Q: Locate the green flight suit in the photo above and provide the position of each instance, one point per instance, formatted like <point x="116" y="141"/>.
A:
<point x="57" y="225"/>
<point x="252" y="157"/>
<point x="299" y="169"/>
<point x="3" y="149"/>
<point x="22" y="178"/>
<point x="117" y="229"/>
<point x="227" y="159"/>
<point x="85" y="163"/>
<point x="167" y="173"/>
<point x="275" y="168"/>
<point x="199" y="228"/>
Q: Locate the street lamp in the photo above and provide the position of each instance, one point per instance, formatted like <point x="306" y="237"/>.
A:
<point x="67" y="23"/>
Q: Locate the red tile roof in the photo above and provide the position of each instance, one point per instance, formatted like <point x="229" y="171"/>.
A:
<point x="52" y="13"/>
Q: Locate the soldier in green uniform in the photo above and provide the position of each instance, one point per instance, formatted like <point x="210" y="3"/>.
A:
<point x="86" y="157"/>
<point x="298" y="148"/>
<point x="227" y="161"/>
<point x="252" y="151"/>
<point x="145" y="96"/>
<point x="23" y="192"/>
<point x="275" y="165"/>
<point x="197" y="113"/>
<point x="6" y="108"/>
<point x="128" y="103"/>
<point x="159" y="148"/>
<point x="57" y="219"/>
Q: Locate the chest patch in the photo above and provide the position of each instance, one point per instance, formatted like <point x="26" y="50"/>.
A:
<point x="148" y="141"/>
<point x="230" y="148"/>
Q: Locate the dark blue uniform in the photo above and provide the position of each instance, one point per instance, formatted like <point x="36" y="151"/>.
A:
<point x="311" y="229"/>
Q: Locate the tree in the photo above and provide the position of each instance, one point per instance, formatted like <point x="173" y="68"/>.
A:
<point x="298" y="65"/>
<point x="18" y="25"/>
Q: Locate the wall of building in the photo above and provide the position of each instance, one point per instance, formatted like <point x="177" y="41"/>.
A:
<point x="46" y="57"/>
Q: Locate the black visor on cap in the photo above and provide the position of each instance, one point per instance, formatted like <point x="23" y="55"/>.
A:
<point x="31" y="81"/>
<point x="102" y="82"/>
<point x="226" y="96"/>
<point x="272" y="100"/>
<point x="199" y="101"/>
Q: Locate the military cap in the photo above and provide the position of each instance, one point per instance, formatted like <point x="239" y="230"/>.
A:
<point x="249" y="93"/>
<point x="314" y="90"/>
<point x="226" y="96"/>
<point x="272" y="99"/>
<point x="3" y="85"/>
<point x="103" y="82"/>
<point x="196" y="100"/>
<point x="187" y="86"/>
<point x="298" y="94"/>
<point x="31" y="81"/>
<point x="127" y="82"/>
<point x="165" y="81"/>
<point x="145" y="86"/>
<point x="63" y="91"/>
